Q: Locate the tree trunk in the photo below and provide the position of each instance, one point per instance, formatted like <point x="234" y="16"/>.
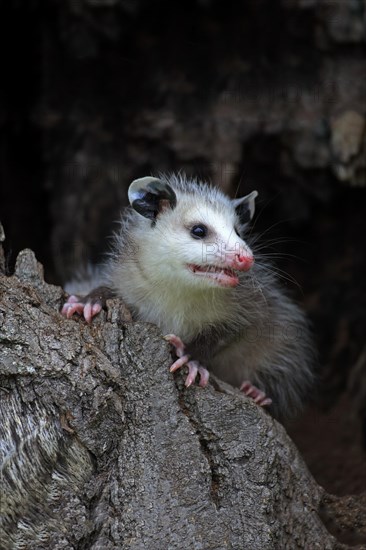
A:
<point x="104" y="448"/>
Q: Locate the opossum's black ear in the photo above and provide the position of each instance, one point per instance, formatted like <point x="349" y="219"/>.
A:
<point x="151" y="196"/>
<point x="245" y="207"/>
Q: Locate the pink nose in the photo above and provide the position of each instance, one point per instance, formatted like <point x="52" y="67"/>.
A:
<point x="243" y="263"/>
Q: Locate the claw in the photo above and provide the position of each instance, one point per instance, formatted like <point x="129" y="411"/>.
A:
<point x="255" y="393"/>
<point x="70" y="308"/>
<point x="179" y="363"/>
<point x="86" y="309"/>
<point x="90" y="310"/>
<point x="192" y="373"/>
<point x="194" y="367"/>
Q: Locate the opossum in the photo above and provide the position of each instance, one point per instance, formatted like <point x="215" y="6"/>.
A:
<point x="181" y="261"/>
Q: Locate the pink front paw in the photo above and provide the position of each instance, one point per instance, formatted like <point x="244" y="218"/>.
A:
<point x="255" y="393"/>
<point x="194" y="367"/>
<point x="86" y="308"/>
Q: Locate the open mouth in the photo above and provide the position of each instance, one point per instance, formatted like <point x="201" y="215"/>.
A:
<point x="223" y="276"/>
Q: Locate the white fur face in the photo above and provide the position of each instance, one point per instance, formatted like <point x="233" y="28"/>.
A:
<point x="172" y="253"/>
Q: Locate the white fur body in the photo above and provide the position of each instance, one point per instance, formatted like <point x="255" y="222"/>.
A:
<point x="250" y="331"/>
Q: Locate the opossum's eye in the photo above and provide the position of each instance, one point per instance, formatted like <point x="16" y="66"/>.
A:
<point x="199" y="231"/>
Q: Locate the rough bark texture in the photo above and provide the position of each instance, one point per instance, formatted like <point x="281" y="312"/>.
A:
<point x="102" y="448"/>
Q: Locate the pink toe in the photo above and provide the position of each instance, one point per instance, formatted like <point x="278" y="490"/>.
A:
<point x="97" y="308"/>
<point x="177" y="343"/>
<point x="204" y="376"/>
<point x="259" y="397"/>
<point x="88" y="312"/>
<point x="192" y="373"/>
<point x="179" y="363"/>
<point x="76" y="308"/>
<point x="267" y="401"/>
<point x="245" y="386"/>
<point x="70" y="308"/>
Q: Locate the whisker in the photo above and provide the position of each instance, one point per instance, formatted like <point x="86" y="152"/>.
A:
<point x="279" y="255"/>
<point x="275" y="224"/>
<point x="281" y="274"/>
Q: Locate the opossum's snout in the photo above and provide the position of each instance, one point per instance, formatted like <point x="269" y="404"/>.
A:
<point x="240" y="262"/>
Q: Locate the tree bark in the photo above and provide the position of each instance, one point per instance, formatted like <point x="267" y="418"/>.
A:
<point x="103" y="448"/>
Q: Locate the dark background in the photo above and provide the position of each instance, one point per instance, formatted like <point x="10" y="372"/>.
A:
<point x="258" y="95"/>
